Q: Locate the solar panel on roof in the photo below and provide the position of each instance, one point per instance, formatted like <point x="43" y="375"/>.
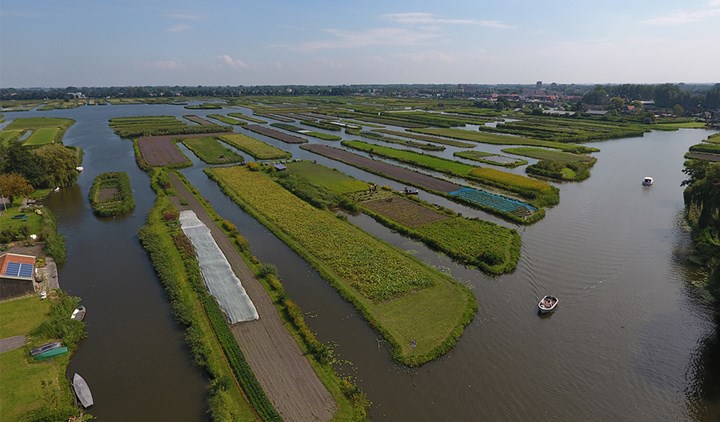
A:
<point x="12" y="269"/>
<point x="25" y="270"/>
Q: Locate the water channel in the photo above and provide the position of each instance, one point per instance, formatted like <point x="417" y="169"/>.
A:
<point x="632" y="340"/>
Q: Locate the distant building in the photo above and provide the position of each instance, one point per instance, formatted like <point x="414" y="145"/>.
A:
<point x="16" y="275"/>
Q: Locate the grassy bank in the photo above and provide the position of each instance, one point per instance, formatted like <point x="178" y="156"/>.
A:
<point x="398" y="295"/>
<point x="111" y="195"/>
<point x="32" y="390"/>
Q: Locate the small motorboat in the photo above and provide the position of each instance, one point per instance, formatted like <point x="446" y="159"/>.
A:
<point x="547" y="304"/>
<point x="79" y="313"/>
<point x="45" y="347"/>
<point x="408" y="191"/>
<point x="82" y="391"/>
<point x="48" y="354"/>
<point x="648" y="181"/>
<point x="57" y="189"/>
<point x="79" y="169"/>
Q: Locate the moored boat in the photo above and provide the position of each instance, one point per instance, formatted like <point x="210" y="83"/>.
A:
<point x="648" y="181"/>
<point x="45" y="347"/>
<point x="547" y="304"/>
<point x="82" y="391"/>
<point x="408" y="191"/>
<point x="52" y="353"/>
<point x="79" y="313"/>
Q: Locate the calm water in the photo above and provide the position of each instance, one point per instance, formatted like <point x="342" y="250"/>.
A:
<point x="632" y="338"/>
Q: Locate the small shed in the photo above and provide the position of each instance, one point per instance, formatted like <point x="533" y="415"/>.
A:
<point x="16" y="275"/>
<point x="280" y="167"/>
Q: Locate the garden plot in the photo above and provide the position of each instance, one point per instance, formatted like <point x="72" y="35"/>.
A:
<point x="217" y="273"/>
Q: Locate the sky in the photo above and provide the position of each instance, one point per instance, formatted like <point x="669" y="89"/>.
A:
<point x="60" y="43"/>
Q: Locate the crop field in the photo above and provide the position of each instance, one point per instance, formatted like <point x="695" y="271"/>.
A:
<point x="404" y="142"/>
<point x="44" y="130"/>
<point x="495" y="139"/>
<point x="254" y="147"/>
<point x="383" y="120"/>
<point x="526" y="187"/>
<point x="276" y="134"/>
<point x="434" y="139"/>
<point x="404" y="211"/>
<point x="211" y="151"/>
<point x="568" y="130"/>
<point x="42" y="136"/>
<point x="322" y="124"/>
<point x="487" y="199"/>
<point x="397" y="294"/>
<point x="326" y="177"/>
<point x="490" y="158"/>
<point x="714" y="138"/>
<point x="111" y="195"/>
<point x="248" y="118"/>
<point x="161" y="151"/>
<point x="132" y="127"/>
<point x="227" y="119"/>
<point x="546" y="154"/>
<point x="296" y="129"/>
<point x="436" y="119"/>
<point x="197" y="119"/>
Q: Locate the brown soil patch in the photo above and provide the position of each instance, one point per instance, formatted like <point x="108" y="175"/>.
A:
<point x="106" y="194"/>
<point x="162" y="151"/>
<point x="703" y="156"/>
<point x="272" y="353"/>
<point x="199" y="120"/>
<point x="404" y="211"/>
<point x="280" y="136"/>
<point x="384" y="169"/>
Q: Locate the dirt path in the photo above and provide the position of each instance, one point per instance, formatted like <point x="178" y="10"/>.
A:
<point x="11" y="343"/>
<point x="384" y="169"/>
<point x="272" y="353"/>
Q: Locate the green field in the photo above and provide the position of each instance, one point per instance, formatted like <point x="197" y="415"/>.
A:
<point x="489" y="158"/>
<point x="211" y="151"/>
<point x="44" y="130"/>
<point x="397" y="294"/>
<point x="296" y="129"/>
<point x="254" y="147"/>
<point x="536" y="191"/>
<point x="248" y="118"/>
<point x="494" y="249"/>
<point x="9" y="135"/>
<point x="710" y="147"/>
<point x="489" y="138"/>
<point x="226" y="119"/>
<point x="131" y="127"/>
<point x="546" y="154"/>
<point x="42" y="136"/>
<point x="568" y="130"/>
<point x="404" y="142"/>
<point x="419" y="137"/>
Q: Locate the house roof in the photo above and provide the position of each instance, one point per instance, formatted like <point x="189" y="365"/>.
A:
<point x="16" y="266"/>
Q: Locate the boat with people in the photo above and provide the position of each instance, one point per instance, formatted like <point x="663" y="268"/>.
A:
<point x="548" y="304"/>
<point x="79" y="313"/>
<point x="82" y="391"/>
<point x="408" y="191"/>
<point x="648" y="181"/>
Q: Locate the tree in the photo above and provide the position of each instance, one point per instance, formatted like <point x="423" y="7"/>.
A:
<point x="703" y="191"/>
<point x="678" y="110"/>
<point x="13" y="185"/>
<point x="616" y="103"/>
<point x="14" y="158"/>
<point x="59" y="163"/>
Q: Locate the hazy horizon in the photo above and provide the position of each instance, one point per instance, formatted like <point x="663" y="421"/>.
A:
<point x="48" y="43"/>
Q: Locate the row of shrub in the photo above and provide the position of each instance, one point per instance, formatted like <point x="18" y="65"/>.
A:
<point x="54" y="241"/>
<point x="122" y="201"/>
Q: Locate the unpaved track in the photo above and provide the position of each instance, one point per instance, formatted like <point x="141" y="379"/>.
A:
<point x="272" y="353"/>
<point x="394" y="172"/>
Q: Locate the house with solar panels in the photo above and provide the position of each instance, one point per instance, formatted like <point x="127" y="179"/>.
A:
<point x="16" y="275"/>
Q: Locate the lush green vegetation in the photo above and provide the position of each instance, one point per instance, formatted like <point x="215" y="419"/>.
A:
<point x="489" y="138"/>
<point x="702" y="210"/>
<point x="174" y="261"/>
<point x="546" y="154"/>
<point x="296" y="129"/>
<point x="211" y="151"/>
<point x="31" y="390"/>
<point x="564" y="171"/>
<point x="435" y="119"/>
<point x="111" y="195"/>
<point x="382" y="120"/>
<point x="540" y="193"/>
<point x="405" y="142"/>
<point x="709" y="147"/>
<point x="248" y="118"/>
<point x="563" y="129"/>
<point x="204" y="106"/>
<point x="493" y="248"/>
<point x="399" y="296"/>
<point x="44" y="130"/>
<point x="351" y="401"/>
<point x="714" y="138"/>
<point x="132" y="127"/>
<point x="321" y="125"/>
<point x="254" y="147"/>
<point x="227" y="119"/>
<point x="48" y="166"/>
<point x="489" y="158"/>
<point x="434" y="139"/>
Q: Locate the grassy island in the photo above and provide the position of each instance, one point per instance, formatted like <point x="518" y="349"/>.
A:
<point x="111" y="195"/>
<point x="397" y="294"/>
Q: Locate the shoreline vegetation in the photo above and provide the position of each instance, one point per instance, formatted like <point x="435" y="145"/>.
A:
<point x="398" y="295"/>
<point x="111" y="195"/>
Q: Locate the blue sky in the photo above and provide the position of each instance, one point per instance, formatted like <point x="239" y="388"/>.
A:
<point x="102" y="43"/>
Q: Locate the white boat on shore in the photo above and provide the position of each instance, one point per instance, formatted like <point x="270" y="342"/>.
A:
<point x="648" y="181"/>
<point x="82" y="391"/>
<point x="548" y="304"/>
<point x="79" y="313"/>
